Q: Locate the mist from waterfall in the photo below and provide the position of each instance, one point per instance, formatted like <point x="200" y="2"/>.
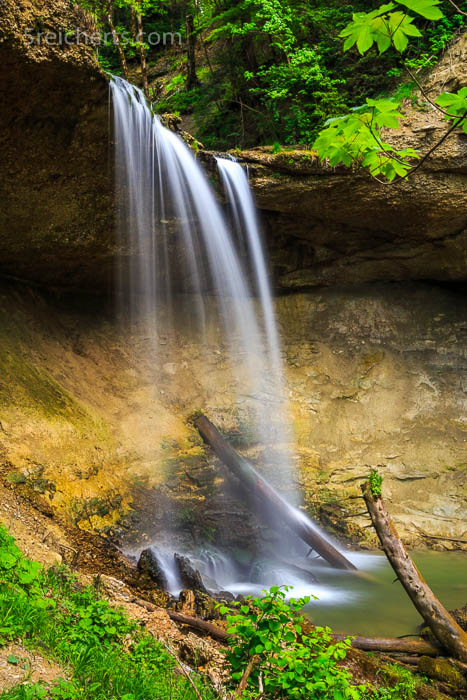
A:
<point x="183" y="251"/>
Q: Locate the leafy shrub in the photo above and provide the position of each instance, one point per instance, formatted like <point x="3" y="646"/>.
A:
<point x="287" y="661"/>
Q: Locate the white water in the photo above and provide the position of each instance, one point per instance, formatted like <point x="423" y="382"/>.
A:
<point x="179" y="241"/>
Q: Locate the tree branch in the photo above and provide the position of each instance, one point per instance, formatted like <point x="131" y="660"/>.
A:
<point x="428" y="154"/>
<point x="428" y="99"/>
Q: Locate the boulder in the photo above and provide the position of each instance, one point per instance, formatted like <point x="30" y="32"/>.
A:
<point x="149" y="568"/>
<point x="190" y="577"/>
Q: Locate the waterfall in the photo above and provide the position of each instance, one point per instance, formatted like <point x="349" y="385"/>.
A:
<point x="182" y="251"/>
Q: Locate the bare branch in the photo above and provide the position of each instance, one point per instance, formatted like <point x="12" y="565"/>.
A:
<point x="457" y="123"/>
<point x="428" y="99"/>
<point x="182" y="668"/>
<point x="461" y="12"/>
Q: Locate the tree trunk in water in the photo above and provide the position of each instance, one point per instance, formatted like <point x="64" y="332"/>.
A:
<point x="116" y="38"/>
<point x="191" y="79"/>
<point x="254" y="484"/>
<point x="446" y="630"/>
<point x="142" y="56"/>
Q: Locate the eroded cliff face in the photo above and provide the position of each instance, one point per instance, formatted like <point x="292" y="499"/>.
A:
<point x="56" y="190"/>
<point x="95" y="421"/>
<point x="94" y="424"/>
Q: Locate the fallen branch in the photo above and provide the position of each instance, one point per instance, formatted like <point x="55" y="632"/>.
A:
<point x="182" y="668"/>
<point x="418" y="647"/>
<point x="446" y="630"/>
<point x="445" y="539"/>
<point x="254" y="484"/>
<point x="245" y="676"/>
<point x="213" y="630"/>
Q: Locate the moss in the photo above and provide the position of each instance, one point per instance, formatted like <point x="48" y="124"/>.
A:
<point x="455" y="467"/>
<point x="29" y="385"/>
<point x="95" y="509"/>
<point x="16" y="477"/>
<point x="442" y="670"/>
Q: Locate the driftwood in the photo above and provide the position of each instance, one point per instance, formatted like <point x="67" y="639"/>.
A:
<point x="201" y="625"/>
<point x="446" y="630"/>
<point x="389" y="645"/>
<point x="253" y="483"/>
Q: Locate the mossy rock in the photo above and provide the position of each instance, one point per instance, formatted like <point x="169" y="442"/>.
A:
<point x="442" y="670"/>
<point x="16" y="477"/>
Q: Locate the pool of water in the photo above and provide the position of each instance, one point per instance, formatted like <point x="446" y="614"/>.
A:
<point x="372" y="604"/>
<point x="379" y="606"/>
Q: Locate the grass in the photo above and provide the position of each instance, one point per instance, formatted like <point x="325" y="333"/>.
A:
<point x="105" y="655"/>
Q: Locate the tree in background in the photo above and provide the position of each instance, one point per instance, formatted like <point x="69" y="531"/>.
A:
<point x="275" y="71"/>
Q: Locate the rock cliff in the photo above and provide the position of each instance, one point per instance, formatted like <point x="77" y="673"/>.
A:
<point x="375" y="347"/>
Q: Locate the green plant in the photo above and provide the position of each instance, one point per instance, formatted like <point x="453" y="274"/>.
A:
<point x="110" y="657"/>
<point x="404" y="683"/>
<point x="376" y="483"/>
<point x="286" y="661"/>
<point x="357" y="138"/>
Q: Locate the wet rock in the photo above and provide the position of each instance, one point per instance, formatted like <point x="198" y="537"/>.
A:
<point x="150" y="569"/>
<point x="187" y="602"/>
<point x="189" y="576"/>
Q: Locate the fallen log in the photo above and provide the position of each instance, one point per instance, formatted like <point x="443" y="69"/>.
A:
<point x="446" y="630"/>
<point x="419" y="647"/>
<point x="253" y="483"/>
<point x="201" y="625"/>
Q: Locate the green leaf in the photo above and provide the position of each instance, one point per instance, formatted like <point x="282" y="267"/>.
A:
<point x="13" y="660"/>
<point x="365" y="39"/>
<point x="383" y="41"/>
<point x="400" y="40"/>
<point x="426" y="8"/>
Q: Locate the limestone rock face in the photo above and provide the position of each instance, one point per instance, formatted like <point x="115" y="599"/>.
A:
<point x="94" y="425"/>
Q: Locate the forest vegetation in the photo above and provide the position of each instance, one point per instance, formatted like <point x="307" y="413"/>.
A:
<point x="278" y="71"/>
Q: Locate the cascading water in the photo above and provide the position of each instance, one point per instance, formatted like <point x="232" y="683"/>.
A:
<point x="183" y="252"/>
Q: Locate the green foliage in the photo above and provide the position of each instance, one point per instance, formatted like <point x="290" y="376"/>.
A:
<point x="455" y="107"/>
<point x="291" y="664"/>
<point x="287" y="661"/>
<point x="388" y="25"/>
<point x="376" y="483"/>
<point x="111" y="657"/>
<point x="277" y="71"/>
<point x="356" y="138"/>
